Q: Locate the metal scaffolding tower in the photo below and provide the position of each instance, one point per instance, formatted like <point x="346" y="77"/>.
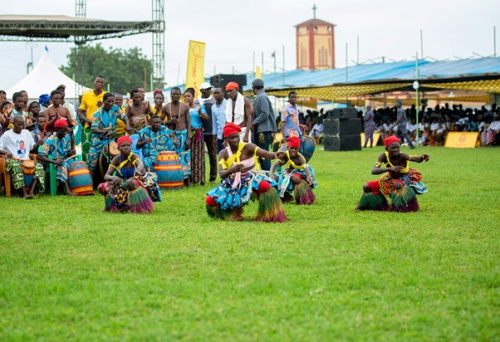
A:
<point x="158" y="44"/>
<point x="80" y="12"/>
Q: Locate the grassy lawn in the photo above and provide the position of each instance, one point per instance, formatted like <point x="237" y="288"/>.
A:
<point x="70" y="272"/>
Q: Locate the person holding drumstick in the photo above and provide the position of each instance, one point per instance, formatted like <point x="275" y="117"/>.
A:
<point x="154" y="139"/>
<point x="58" y="148"/>
<point x="103" y="128"/>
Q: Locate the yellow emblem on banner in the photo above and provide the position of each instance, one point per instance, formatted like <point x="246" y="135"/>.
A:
<point x="462" y="140"/>
<point x="195" y="74"/>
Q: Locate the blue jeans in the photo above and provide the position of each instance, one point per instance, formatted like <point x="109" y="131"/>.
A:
<point x="265" y="164"/>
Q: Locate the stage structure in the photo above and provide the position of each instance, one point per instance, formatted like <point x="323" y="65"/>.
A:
<point x="80" y="30"/>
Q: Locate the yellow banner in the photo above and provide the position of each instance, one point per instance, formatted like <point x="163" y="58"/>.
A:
<point x="376" y="139"/>
<point x="195" y="74"/>
<point x="462" y="140"/>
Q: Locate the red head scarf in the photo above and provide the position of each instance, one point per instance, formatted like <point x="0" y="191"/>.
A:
<point x="230" y="128"/>
<point x="390" y="139"/>
<point x="294" y="142"/>
<point x="232" y="85"/>
<point x="60" y="123"/>
<point x="123" y="139"/>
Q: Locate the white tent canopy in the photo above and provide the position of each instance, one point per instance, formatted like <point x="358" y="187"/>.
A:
<point x="44" y="78"/>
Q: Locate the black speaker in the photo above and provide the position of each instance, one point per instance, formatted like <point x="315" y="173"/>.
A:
<point x="331" y="143"/>
<point x="342" y="143"/>
<point x="342" y="126"/>
<point x="342" y="113"/>
<point x="221" y="80"/>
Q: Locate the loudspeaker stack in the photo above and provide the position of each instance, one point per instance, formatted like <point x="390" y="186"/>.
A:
<point x="342" y="129"/>
<point x="221" y="80"/>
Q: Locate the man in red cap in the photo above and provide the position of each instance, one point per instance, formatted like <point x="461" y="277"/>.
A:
<point x="397" y="189"/>
<point x="238" y="110"/>
<point x="296" y="178"/>
<point x="240" y="179"/>
<point x="56" y="149"/>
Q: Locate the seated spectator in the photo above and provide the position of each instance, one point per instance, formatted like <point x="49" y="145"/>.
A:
<point x="388" y="127"/>
<point x="438" y="131"/>
<point x="412" y="129"/>
<point x="423" y="132"/>
<point x="493" y="137"/>
<point x="16" y="144"/>
<point x="317" y="129"/>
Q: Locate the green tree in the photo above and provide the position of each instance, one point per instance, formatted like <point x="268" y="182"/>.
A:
<point x="122" y="69"/>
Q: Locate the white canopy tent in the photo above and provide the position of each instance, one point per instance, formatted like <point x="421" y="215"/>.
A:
<point x="44" y="78"/>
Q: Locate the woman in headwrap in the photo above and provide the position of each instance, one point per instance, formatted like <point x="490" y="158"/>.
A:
<point x="241" y="181"/>
<point x="197" y="114"/>
<point x="296" y="178"/>
<point x="128" y="187"/>
<point x="397" y="189"/>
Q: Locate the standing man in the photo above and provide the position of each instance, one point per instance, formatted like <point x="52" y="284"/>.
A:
<point x="18" y="106"/>
<point x="56" y="111"/>
<point x="290" y="126"/>
<point x="369" y="120"/>
<point x="62" y="90"/>
<point x="219" y="116"/>
<point x="401" y="124"/>
<point x="91" y="101"/>
<point x="26" y="99"/>
<point x="238" y="110"/>
<point x="209" y="133"/>
<point x="264" y="122"/>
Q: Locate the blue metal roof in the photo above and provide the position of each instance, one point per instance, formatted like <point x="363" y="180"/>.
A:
<point x="404" y="70"/>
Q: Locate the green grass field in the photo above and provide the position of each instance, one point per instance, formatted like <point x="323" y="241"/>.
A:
<point x="70" y="272"/>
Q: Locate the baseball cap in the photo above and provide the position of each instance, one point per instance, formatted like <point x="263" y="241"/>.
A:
<point x="205" y="85"/>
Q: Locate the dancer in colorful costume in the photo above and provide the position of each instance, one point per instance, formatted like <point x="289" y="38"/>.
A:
<point x="128" y="188"/>
<point x="397" y="189"/>
<point x="241" y="181"/>
<point x="296" y="178"/>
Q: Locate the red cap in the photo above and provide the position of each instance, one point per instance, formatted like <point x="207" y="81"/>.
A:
<point x="60" y="123"/>
<point x="294" y="142"/>
<point x="123" y="139"/>
<point x="390" y="139"/>
<point x="232" y="85"/>
<point x="230" y="128"/>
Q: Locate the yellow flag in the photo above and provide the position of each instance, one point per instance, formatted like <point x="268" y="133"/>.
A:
<point x="195" y="74"/>
<point x="257" y="72"/>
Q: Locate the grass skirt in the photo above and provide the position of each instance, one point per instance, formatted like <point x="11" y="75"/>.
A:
<point x="228" y="198"/>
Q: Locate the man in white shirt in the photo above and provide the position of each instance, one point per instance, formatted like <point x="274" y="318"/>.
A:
<point x="16" y="144"/>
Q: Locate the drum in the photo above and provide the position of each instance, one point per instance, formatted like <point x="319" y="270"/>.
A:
<point x="307" y="146"/>
<point x="28" y="167"/>
<point x="79" y="179"/>
<point x="168" y="169"/>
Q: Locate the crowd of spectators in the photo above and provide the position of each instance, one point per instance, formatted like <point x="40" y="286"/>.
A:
<point x="435" y="123"/>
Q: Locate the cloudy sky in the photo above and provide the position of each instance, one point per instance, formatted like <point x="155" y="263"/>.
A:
<point x="233" y="31"/>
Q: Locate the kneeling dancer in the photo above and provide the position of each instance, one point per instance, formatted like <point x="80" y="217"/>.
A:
<point x="241" y="181"/>
<point x="397" y="189"/>
<point x="296" y="178"/>
<point x="128" y="186"/>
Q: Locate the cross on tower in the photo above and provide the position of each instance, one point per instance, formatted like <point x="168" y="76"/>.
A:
<point x="314" y="11"/>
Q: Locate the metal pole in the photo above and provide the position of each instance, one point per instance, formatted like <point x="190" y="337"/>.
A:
<point x="262" y="71"/>
<point x="283" y="64"/>
<point x="416" y="97"/>
<point x="346" y="63"/>
<point x="494" y="42"/>
<point x="253" y="64"/>
<point x="357" y="51"/>
<point x="421" y="44"/>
